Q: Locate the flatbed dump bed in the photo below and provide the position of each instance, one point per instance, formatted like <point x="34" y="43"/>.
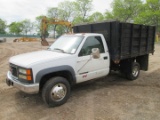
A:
<point x="125" y="40"/>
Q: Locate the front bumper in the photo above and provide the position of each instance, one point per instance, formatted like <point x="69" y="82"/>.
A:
<point x="27" y="88"/>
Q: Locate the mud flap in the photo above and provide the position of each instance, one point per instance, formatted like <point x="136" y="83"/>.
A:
<point x="9" y="83"/>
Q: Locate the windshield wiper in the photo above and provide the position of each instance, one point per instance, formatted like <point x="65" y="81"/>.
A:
<point x="48" y="48"/>
<point x="60" y="50"/>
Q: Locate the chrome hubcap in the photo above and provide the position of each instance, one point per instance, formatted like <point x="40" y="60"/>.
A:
<point x="135" y="71"/>
<point x="58" y="92"/>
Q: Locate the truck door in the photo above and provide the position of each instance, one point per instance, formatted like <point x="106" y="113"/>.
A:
<point x="88" y="67"/>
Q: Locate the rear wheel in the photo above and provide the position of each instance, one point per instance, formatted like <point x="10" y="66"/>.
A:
<point x="135" y="71"/>
<point x="56" y="91"/>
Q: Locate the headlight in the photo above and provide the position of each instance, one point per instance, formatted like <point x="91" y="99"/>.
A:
<point x="22" y="70"/>
<point x="25" y="74"/>
<point x="22" y="76"/>
<point x="25" y="71"/>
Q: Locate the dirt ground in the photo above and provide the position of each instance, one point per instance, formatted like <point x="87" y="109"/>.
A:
<point x="109" y="98"/>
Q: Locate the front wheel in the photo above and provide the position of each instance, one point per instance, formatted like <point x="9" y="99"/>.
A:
<point x="135" y="71"/>
<point x="56" y="91"/>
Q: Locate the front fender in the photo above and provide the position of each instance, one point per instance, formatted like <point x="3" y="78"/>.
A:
<point x="46" y="71"/>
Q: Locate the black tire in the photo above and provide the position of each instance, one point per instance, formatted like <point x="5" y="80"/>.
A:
<point x="56" y="91"/>
<point x="135" y="71"/>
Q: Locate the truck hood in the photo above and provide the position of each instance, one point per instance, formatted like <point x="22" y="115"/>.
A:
<point x="25" y="60"/>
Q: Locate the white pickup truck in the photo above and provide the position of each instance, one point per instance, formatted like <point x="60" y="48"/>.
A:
<point x="72" y="59"/>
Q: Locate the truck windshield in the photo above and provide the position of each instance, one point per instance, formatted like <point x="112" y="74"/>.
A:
<point x="67" y="44"/>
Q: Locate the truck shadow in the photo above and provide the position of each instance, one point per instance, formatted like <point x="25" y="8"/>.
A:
<point x="81" y="91"/>
<point x="28" y="99"/>
<point x="34" y="100"/>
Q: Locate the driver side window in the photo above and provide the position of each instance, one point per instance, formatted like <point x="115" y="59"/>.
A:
<point x="91" y="42"/>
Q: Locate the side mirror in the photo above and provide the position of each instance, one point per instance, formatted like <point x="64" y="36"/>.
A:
<point x="95" y="53"/>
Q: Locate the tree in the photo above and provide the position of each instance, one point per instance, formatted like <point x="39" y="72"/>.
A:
<point x="65" y="13"/>
<point x="2" y="26"/>
<point x="150" y="15"/>
<point x="66" y="10"/>
<point x="96" y="16"/>
<point x="124" y="10"/>
<point x="16" y="27"/>
<point x="82" y="9"/>
<point x="37" y="24"/>
<point x="60" y="29"/>
<point x="53" y="12"/>
<point x="27" y="26"/>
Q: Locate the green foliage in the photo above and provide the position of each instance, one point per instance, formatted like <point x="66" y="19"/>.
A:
<point x="53" y="12"/>
<point x="140" y="11"/>
<point x="39" y="18"/>
<point x="136" y="10"/>
<point x="75" y="12"/>
<point x="2" y="26"/>
<point x="16" y="28"/>
<point x="24" y="27"/>
<point x="96" y="16"/>
<point x="27" y="26"/>
<point x="37" y="24"/>
<point x="150" y="15"/>
<point x="66" y="10"/>
<point x="61" y="30"/>
<point x="82" y="9"/>
<point x="78" y="20"/>
<point x="124" y="10"/>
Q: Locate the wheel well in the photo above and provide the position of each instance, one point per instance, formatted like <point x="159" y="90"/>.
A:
<point x="65" y="74"/>
<point x="125" y="65"/>
<point x="141" y="60"/>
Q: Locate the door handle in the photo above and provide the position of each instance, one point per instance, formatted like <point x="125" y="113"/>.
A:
<point x="105" y="58"/>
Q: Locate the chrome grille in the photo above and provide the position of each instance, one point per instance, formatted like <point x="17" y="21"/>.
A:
<point x="13" y="70"/>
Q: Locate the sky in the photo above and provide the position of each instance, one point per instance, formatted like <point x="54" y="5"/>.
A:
<point x="18" y="10"/>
